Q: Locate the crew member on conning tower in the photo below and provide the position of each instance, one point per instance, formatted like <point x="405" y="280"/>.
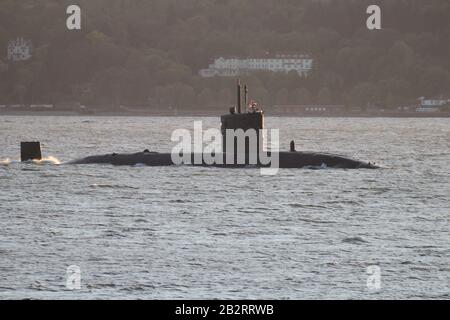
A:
<point x="253" y="106"/>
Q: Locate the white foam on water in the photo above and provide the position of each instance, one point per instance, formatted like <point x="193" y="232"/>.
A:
<point x="323" y="166"/>
<point x="47" y="161"/>
<point x="139" y="165"/>
<point x="5" y="162"/>
<point x="44" y="161"/>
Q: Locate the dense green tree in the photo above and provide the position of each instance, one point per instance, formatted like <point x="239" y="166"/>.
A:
<point x="363" y="94"/>
<point x="148" y="53"/>
<point x="325" y="96"/>
<point x="301" y="96"/>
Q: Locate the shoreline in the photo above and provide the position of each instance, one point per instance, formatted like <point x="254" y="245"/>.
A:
<point x="215" y="113"/>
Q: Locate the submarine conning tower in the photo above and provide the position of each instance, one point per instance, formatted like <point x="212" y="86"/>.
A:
<point x="30" y="151"/>
<point x="251" y="118"/>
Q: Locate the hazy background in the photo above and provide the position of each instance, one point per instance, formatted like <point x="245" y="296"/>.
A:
<point x="148" y="53"/>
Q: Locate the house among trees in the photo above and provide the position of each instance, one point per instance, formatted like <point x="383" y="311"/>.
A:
<point x="433" y="105"/>
<point x="19" y="50"/>
<point x="232" y="67"/>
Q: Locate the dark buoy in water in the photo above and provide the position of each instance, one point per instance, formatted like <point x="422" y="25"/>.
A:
<point x="293" y="146"/>
<point x="30" y="151"/>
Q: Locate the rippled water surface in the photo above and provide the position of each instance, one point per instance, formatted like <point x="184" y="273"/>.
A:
<point x="182" y="232"/>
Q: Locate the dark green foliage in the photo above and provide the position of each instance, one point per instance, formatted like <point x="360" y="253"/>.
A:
<point x="148" y="53"/>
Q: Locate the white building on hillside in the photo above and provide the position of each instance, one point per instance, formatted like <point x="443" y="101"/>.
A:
<point x="432" y="105"/>
<point x="19" y="49"/>
<point x="231" y="67"/>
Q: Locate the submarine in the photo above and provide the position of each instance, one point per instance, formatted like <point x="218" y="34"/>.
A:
<point x="251" y="119"/>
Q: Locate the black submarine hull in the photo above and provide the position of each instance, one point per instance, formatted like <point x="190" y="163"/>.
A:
<point x="248" y="121"/>
<point x="286" y="160"/>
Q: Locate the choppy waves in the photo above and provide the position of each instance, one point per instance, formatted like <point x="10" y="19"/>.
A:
<point x="186" y="232"/>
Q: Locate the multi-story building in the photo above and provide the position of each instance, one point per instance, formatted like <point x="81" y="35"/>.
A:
<point x="433" y="105"/>
<point x="231" y="67"/>
<point x="19" y="50"/>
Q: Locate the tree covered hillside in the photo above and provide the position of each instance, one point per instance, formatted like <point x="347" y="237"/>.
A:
<point x="148" y="53"/>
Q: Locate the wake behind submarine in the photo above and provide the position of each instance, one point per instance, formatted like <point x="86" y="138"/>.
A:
<point x="250" y="119"/>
